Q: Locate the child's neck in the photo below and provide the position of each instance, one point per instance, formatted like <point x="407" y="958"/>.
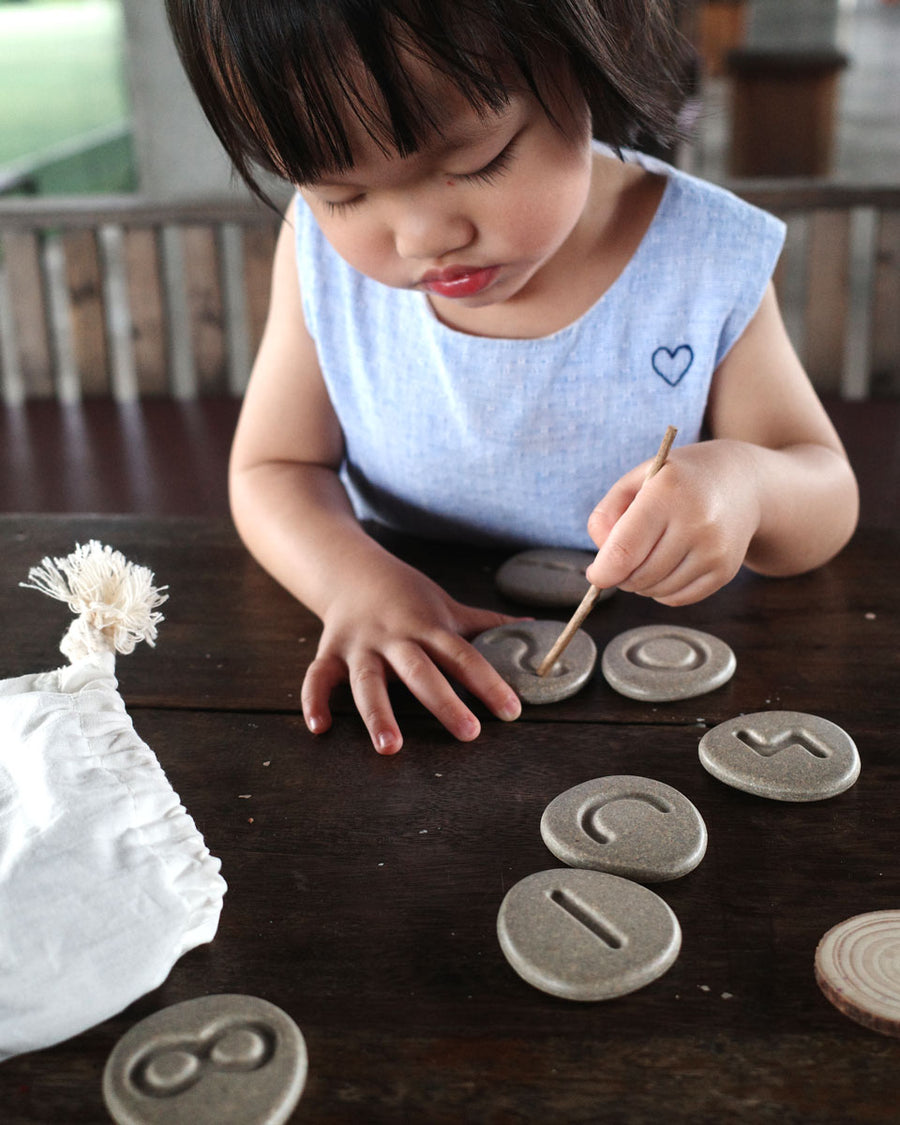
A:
<point x="622" y="202"/>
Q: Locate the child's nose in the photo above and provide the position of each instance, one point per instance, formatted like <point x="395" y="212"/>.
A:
<point x="431" y="231"/>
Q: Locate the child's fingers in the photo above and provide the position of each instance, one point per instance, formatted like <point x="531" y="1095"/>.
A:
<point x="368" y="683"/>
<point x="696" y="577"/>
<point x="322" y="677"/>
<point x="612" y="507"/>
<point x="628" y="545"/>
<point x="417" y="670"/>
<point x="470" y="622"/>
<point x="469" y="668"/>
<point x="693" y="590"/>
<point x="666" y="571"/>
<point x="622" y="542"/>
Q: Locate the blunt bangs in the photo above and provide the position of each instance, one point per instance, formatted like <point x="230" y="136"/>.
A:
<point x="284" y="83"/>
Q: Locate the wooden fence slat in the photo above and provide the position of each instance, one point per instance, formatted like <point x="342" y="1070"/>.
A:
<point x="12" y="382"/>
<point x="204" y="295"/>
<point x="799" y="194"/>
<point x="28" y="312"/>
<point x="148" y="318"/>
<point x="86" y="307"/>
<point x="234" y="297"/>
<point x="182" y="380"/>
<point x="886" y="311"/>
<point x="59" y="316"/>
<point x="259" y="249"/>
<point x="857" y="359"/>
<point x="827" y="300"/>
<point x="123" y="375"/>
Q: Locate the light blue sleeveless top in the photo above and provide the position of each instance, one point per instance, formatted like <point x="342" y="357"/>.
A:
<point x="513" y="442"/>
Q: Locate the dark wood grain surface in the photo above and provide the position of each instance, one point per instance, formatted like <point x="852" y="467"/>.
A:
<point x="233" y="639"/>
<point x="363" y="891"/>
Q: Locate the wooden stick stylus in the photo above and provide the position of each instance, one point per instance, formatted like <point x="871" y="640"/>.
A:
<point x="587" y="602"/>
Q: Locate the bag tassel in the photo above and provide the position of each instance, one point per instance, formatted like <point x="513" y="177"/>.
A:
<point x="115" y="600"/>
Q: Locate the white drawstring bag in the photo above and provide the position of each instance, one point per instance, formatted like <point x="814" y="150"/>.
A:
<point x="104" y="879"/>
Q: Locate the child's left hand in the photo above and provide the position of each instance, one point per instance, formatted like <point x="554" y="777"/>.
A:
<point x="686" y="532"/>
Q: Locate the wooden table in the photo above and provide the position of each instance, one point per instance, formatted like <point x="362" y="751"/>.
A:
<point x="363" y="891"/>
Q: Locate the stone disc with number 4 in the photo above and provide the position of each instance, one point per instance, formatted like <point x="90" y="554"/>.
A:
<point x="783" y="755"/>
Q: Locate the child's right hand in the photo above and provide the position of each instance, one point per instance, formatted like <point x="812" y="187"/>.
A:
<point x="395" y="620"/>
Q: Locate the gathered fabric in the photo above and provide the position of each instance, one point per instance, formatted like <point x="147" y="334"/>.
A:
<point x="105" y="880"/>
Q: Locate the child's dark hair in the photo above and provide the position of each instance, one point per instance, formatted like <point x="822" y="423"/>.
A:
<point x="276" y="77"/>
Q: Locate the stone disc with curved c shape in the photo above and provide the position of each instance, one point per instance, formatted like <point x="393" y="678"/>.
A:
<point x="858" y="969"/>
<point x="632" y="826"/>
<point x="660" y="663"/>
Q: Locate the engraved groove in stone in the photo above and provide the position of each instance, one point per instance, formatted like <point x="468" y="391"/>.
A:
<point x="516" y="651"/>
<point x="169" y="1072"/>
<point x="530" y="654"/>
<point x="552" y="564"/>
<point x="173" y="1068"/>
<point x="589" y="814"/>
<point x="642" y="654"/>
<point x="586" y="917"/>
<point x="245" y="1046"/>
<point x="768" y="747"/>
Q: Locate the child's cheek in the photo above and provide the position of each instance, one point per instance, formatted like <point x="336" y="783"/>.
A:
<point x="368" y="251"/>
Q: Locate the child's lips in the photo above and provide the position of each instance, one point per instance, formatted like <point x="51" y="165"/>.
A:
<point x="458" y="281"/>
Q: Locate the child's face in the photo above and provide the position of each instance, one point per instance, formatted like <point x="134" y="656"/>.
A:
<point x="472" y="218"/>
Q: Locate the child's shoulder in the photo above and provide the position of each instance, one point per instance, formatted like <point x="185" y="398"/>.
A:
<point x="695" y="207"/>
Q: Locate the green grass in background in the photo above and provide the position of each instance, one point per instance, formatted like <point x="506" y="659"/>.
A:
<point x="61" y="73"/>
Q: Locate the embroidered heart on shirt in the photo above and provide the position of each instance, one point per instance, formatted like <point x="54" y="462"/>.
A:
<point x="673" y="365"/>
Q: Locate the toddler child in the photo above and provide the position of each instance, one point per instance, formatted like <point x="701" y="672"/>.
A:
<point x="483" y="319"/>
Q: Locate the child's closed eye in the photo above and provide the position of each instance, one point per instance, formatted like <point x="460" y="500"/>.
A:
<point x="486" y="175"/>
<point x="494" y="168"/>
<point x="343" y="205"/>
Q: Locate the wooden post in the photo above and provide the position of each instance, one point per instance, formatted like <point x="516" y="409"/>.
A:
<point x="783" y="110"/>
<point x="720" y="28"/>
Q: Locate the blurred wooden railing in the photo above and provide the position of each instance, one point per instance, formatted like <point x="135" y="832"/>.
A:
<point x="113" y="297"/>
<point x="124" y="299"/>
<point x="839" y="280"/>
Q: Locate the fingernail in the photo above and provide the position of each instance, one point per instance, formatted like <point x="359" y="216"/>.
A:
<point x="470" y="728"/>
<point x="511" y="709"/>
<point x="315" y="724"/>
<point x="385" y="743"/>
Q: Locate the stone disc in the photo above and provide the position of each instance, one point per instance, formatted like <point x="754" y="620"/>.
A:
<point x="547" y="576"/>
<point x="632" y="826"/>
<point x="517" y="649"/>
<point x="659" y="663"/>
<point x="783" y="755"/>
<point x="217" y="1060"/>
<point x="586" y="935"/>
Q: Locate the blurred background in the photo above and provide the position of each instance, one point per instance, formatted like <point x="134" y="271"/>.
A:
<point x="92" y="98"/>
<point x="134" y="269"/>
<point x="66" y="121"/>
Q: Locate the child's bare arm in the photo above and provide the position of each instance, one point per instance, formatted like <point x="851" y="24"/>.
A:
<point x="289" y="506"/>
<point x="773" y="489"/>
